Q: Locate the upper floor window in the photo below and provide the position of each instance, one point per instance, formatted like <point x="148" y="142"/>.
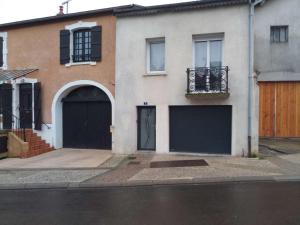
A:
<point x="81" y="43"/>
<point x="3" y="50"/>
<point x="279" y="34"/>
<point x="82" y="46"/>
<point x="156" y="55"/>
<point x="208" y="53"/>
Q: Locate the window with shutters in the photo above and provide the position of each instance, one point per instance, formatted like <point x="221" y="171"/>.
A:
<point x="81" y="43"/>
<point x="3" y="50"/>
<point x="82" y="46"/>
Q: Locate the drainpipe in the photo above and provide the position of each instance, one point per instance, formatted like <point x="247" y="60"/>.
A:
<point x="252" y="4"/>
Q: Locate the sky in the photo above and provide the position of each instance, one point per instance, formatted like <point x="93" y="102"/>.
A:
<point x="16" y="10"/>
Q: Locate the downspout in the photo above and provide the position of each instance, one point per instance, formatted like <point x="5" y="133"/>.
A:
<point x="252" y="4"/>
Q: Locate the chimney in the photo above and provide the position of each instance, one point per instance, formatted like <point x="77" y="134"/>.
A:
<point x="61" y="11"/>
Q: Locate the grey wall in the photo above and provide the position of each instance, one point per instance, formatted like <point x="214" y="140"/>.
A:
<point x="277" y="61"/>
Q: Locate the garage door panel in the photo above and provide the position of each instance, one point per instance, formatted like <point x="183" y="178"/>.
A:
<point x="98" y="128"/>
<point x="74" y="118"/>
<point x="200" y="129"/>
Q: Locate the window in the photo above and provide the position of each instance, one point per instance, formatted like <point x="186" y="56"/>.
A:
<point x="82" y="46"/>
<point x="3" y="50"/>
<point x="208" y="53"/>
<point x="279" y="34"/>
<point x="156" y="55"/>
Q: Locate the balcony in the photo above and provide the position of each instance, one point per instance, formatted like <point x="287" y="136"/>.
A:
<point x="207" y="82"/>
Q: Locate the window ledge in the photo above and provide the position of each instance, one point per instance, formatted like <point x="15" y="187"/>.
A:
<point x="160" y="73"/>
<point x="80" y="63"/>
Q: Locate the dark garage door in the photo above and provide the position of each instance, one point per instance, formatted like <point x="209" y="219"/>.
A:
<point x="200" y="129"/>
<point x="87" y="119"/>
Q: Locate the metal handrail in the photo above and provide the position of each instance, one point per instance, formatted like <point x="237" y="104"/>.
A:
<point x="16" y="125"/>
<point x="207" y="80"/>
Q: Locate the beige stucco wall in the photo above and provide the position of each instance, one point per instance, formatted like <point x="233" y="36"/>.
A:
<point x="38" y="47"/>
<point x="133" y="88"/>
<point x="16" y="146"/>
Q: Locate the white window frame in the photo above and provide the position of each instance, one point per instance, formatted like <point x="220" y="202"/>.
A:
<point x="5" y="50"/>
<point x="148" y="43"/>
<point x="207" y="40"/>
<point x="72" y="28"/>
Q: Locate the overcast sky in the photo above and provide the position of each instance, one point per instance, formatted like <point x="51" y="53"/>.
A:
<point x="15" y="10"/>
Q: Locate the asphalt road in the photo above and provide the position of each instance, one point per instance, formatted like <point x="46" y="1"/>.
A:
<point x="230" y="203"/>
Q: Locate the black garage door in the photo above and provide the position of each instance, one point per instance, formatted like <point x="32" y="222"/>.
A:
<point x="87" y="119"/>
<point x="200" y="129"/>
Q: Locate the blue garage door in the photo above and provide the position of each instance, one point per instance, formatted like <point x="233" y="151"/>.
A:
<point x="200" y="129"/>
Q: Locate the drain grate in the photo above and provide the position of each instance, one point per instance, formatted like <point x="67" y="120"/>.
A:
<point x="134" y="163"/>
<point x="178" y="163"/>
<point x="131" y="157"/>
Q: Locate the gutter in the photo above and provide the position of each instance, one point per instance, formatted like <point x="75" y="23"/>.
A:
<point x="252" y="5"/>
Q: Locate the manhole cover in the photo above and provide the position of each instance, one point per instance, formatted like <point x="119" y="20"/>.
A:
<point x="178" y="163"/>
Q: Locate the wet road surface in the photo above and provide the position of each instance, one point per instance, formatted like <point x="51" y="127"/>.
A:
<point x="231" y="203"/>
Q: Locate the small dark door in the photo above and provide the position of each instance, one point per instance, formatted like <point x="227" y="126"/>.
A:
<point x="25" y="105"/>
<point x="200" y="129"/>
<point x="146" y="127"/>
<point x="6" y="105"/>
<point x="87" y="119"/>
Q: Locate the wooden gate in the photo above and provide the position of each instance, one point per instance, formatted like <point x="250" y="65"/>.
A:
<point x="279" y="109"/>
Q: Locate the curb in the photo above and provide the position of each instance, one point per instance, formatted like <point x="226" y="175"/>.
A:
<point x="202" y="181"/>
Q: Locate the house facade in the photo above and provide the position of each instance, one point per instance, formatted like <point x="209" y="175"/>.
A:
<point x="277" y="45"/>
<point x="175" y="78"/>
<point x="182" y="78"/>
<point x="58" y="76"/>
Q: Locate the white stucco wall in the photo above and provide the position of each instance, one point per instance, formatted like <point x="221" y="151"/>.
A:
<point x="133" y="88"/>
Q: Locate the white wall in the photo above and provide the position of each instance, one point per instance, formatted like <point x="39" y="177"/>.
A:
<point x="133" y="88"/>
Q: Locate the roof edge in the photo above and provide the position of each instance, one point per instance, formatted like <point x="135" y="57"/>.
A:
<point x="58" y="18"/>
<point x="175" y="7"/>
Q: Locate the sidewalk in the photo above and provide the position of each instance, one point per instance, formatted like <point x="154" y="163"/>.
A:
<point x="223" y="168"/>
<point x="135" y="170"/>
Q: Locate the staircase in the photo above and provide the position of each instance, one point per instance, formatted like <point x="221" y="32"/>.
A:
<point x="37" y="145"/>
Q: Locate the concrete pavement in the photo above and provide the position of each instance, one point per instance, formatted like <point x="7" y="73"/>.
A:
<point x="281" y="145"/>
<point x="58" y="159"/>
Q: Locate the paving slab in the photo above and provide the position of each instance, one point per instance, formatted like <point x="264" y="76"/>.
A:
<point x="61" y="158"/>
<point x="294" y="158"/>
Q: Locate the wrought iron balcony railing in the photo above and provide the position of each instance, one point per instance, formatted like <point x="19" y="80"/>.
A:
<point x="202" y="80"/>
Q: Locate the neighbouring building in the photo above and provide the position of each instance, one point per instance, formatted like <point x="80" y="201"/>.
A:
<point x="57" y="79"/>
<point x="182" y="78"/>
<point x="277" y="57"/>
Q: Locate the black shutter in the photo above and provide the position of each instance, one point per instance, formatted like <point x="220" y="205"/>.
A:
<point x="37" y="106"/>
<point x="96" y="45"/>
<point x="64" y="47"/>
<point x="6" y="105"/>
<point x="1" y="51"/>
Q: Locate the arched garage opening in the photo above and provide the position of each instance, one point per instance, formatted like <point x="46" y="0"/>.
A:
<point x="86" y="119"/>
<point x="82" y="114"/>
